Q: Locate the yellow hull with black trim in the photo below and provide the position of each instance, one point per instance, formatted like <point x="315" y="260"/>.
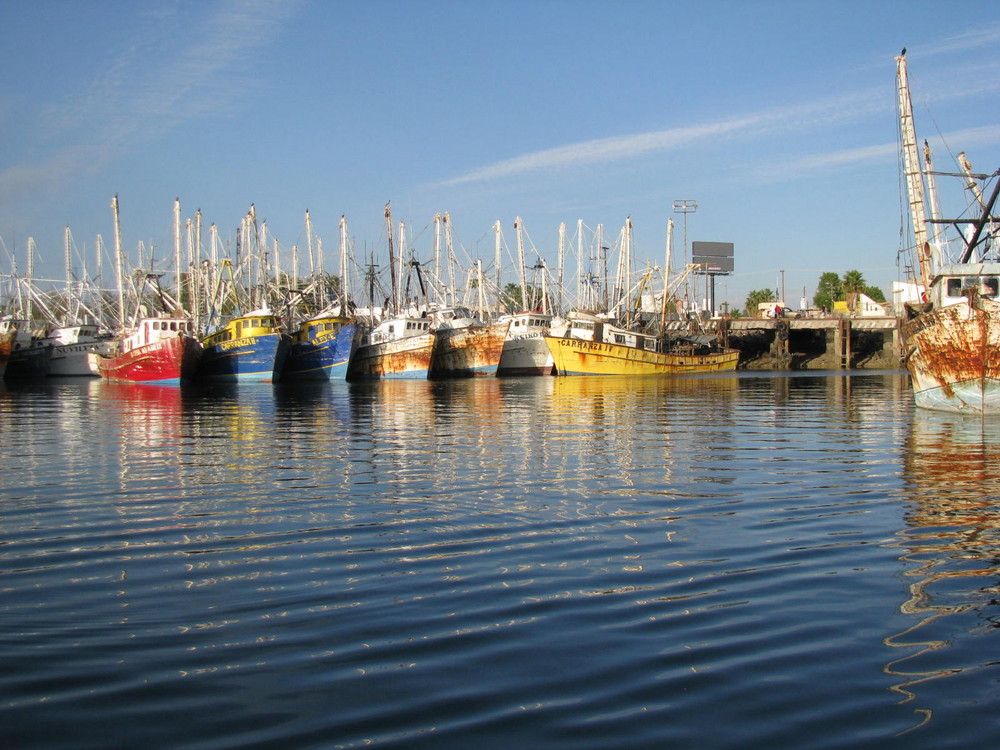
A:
<point x="581" y="357"/>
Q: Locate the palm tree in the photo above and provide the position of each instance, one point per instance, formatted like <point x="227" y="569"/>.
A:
<point x="853" y="282"/>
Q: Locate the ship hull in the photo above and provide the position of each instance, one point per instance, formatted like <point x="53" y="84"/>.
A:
<point x="254" y="359"/>
<point x="525" y="354"/>
<point x="169" y="361"/>
<point x="325" y="357"/>
<point x="953" y="357"/>
<point x="74" y="360"/>
<point x="581" y="357"/>
<point x="468" y="352"/>
<point x="400" y="359"/>
<point x="29" y="362"/>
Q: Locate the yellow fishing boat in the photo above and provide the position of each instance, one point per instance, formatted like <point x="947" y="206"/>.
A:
<point x="592" y="346"/>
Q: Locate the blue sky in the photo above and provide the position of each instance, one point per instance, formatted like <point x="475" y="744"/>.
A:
<point x="778" y="118"/>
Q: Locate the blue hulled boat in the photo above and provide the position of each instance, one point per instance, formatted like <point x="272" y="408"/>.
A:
<point x="321" y="349"/>
<point x="247" y="348"/>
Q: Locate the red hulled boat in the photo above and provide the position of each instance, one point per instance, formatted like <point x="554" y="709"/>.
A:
<point x="160" y="350"/>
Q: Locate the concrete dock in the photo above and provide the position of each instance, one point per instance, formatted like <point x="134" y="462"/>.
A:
<point x="828" y="343"/>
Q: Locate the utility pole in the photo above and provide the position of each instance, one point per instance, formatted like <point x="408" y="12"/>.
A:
<point x="685" y="207"/>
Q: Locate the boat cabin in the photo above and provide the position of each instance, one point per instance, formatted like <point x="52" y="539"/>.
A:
<point x="150" y="330"/>
<point x="400" y="328"/>
<point x="311" y="329"/>
<point x="255" y="324"/>
<point x="953" y="283"/>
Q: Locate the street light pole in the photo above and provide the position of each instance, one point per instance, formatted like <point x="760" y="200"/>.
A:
<point x="685" y="207"/>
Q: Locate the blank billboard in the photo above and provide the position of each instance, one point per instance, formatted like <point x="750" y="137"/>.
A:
<point x="714" y="257"/>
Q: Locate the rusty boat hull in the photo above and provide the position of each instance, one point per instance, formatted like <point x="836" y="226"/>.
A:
<point x="953" y="356"/>
<point x="399" y="359"/>
<point x="468" y="352"/>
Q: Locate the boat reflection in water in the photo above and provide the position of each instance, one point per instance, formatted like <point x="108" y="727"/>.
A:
<point x="951" y="558"/>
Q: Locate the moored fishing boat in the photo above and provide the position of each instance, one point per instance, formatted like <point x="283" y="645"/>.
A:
<point x="29" y="357"/>
<point x="465" y="346"/>
<point x="592" y="346"/>
<point x="321" y="349"/>
<point x="249" y="348"/>
<point x="524" y="350"/>
<point x="400" y="347"/>
<point x="159" y="350"/>
<point x="72" y="347"/>
<point x="8" y="331"/>
<point x="952" y="334"/>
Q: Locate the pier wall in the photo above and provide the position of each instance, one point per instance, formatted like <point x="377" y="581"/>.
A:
<point x="831" y="343"/>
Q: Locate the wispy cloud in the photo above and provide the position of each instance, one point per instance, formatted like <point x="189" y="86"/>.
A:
<point x="176" y="72"/>
<point x="827" y="112"/>
<point x="605" y="150"/>
<point x="978" y="36"/>
<point x="968" y="138"/>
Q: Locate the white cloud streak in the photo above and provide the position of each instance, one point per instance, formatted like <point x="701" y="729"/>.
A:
<point x="604" y="150"/>
<point x="768" y="123"/>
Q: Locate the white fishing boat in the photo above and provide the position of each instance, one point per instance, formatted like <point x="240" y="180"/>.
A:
<point x="525" y="351"/>
<point x="952" y="333"/>
<point x="72" y="347"/>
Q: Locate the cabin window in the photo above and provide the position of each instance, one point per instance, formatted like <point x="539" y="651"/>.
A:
<point x="391" y="329"/>
<point x="954" y="287"/>
<point x="619" y="339"/>
<point x="988" y="286"/>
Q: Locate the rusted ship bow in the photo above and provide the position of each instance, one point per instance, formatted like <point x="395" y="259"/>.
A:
<point x="952" y="335"/>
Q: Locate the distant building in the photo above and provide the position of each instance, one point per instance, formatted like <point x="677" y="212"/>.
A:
<point x="861" y="306"/>
<point x="905" y="291"/>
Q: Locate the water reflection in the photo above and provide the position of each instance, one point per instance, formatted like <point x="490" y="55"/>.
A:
<point x="951" y="554"/>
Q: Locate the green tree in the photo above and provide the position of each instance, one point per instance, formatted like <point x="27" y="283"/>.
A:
<point x="512" y="297"/>
<point x="853" y="282"/>
<point x="756" y="297"/>
<point x="875" y="293"/>
<point x="828" y="290"/>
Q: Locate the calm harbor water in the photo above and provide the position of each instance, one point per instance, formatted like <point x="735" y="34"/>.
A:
<point x="750" y="560"/>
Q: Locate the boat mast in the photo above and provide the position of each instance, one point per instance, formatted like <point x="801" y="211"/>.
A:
<point x="972" y="185"/>
<point x="343" y="265"/>
<point x="437" y="258"/>
<point x="309" y="245"/>
<point x="911" y="168"/>
<point x="118" y="262"/>
<point x="392" y="260"/>
<point x="177" y="249"/>
<point x="450" y="252"/>
<point x="67" y="240"/>
<point x="666" y="275"/>
<point x="932" y="203"/>
<point x="498" y="256"/>
<point x="29" y="297"/>
<point x="561" y="262"/>
<point x="520" y="264"/>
